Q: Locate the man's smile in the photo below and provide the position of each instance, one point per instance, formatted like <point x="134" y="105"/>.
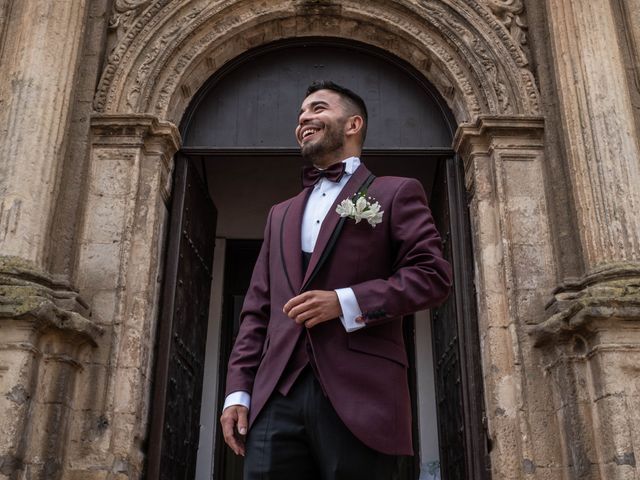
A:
<point x="306" y="132"/>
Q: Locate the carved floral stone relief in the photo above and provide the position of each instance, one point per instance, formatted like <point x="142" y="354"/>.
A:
<point x="511" y="14"/>
<point x="125" y="13"/>
<point x="478" y="43"/>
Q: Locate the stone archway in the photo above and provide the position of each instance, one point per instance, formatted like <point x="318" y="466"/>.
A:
<point x="472" y="52"/>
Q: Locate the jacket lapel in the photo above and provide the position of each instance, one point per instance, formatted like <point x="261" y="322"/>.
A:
<point x="290" y="242"/>
<point x="331" y="222"/>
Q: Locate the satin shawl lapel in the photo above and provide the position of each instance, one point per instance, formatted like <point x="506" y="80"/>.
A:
<point x="332" y="220"/>
<point x="290" y="241"/>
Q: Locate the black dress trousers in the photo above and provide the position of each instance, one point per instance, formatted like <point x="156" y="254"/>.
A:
<point x="299" y="436"/>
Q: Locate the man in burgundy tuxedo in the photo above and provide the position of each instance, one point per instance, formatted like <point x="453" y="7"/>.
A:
<point x="317" y="380"/>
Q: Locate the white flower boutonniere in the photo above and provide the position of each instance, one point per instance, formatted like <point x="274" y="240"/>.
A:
<point x="361" y="207"/>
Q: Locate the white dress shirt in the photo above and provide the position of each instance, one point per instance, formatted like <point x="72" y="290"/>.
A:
<point x="320" y="200"/>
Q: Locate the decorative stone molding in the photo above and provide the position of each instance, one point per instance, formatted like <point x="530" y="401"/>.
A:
<point x="172" y="48"/>
<point x="154" y="137"/>
<point x="44" y="330"/>
<point x="26" y="291"/>
<point x="591" y="351"/>
<point x="124" y="14"/>
<point x="511" y="15"/>
<point x="578" y="306"/>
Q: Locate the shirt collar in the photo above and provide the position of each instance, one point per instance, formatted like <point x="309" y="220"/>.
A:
<point x="352" y="163"/>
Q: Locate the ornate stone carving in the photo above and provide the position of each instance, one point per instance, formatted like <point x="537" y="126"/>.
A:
<point x="612" y="292"/>
<point x="125" y="13"/>
<point x="158" y="48"/>
<point x="152" y="60"/>
<point x="511" y="15"/>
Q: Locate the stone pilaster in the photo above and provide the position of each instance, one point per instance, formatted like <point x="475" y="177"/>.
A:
<point x="597" y="117"/>
<point x="36" y="84"/>
<point x="504" y="160"/>
<point x="591" y="338"/>
<point x="118" y="271"/>
<point x="44" y="330"/>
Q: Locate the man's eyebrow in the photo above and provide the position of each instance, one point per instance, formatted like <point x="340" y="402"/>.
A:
<point x="314" y="104"/>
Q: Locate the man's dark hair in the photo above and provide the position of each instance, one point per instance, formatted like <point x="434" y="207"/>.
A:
<point x="350" y="97"/>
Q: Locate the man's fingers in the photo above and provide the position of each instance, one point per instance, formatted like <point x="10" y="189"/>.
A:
<point x="234" y="419"/>
<point x="302" y="313"/>
<point x="243" y="421"/>
<point x="295" y="301"/>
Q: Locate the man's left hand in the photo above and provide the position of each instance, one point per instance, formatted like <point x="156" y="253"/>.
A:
<point x="313" y="307"/>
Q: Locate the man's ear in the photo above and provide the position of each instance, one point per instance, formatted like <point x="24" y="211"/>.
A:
<point x="354" y="125"/>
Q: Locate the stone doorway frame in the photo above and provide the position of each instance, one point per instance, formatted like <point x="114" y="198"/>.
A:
<point x="167" y="52"/>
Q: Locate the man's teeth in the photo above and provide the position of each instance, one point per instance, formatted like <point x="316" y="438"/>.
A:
<point x="311" y="131"/>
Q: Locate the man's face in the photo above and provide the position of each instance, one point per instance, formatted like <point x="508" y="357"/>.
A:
<point x="321" y="126"/>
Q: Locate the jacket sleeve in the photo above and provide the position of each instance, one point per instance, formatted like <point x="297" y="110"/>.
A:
<point x="247" y="350"/>
<point x="421" y="277"/>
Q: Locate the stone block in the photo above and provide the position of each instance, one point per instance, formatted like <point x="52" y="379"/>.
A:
<point x="529" y="264"/>
<point x="133" y="345"/>
<point x="545" y="438"/>
<point x="112" y="172"/>
<point x="99" y="266"/>
<point x="615" y="373"/>
<point x="127" y="393"/>
<point x="124" y="429"/>
<point x="91" y="383"/>
<point x="85" y="474"/>
<point x="106" y="221"/>
<point x="611" y="422"/>
<point x="103" y="306"/>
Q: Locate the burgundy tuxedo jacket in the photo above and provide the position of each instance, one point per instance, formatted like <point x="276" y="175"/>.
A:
<point x="395" y="268"/>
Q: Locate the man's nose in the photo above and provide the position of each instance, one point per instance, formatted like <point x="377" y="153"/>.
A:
<point x="304" y="117"/>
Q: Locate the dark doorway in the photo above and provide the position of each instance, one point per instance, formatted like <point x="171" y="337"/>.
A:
<point x="239" y="131"/>
<point x="173" y="439"/>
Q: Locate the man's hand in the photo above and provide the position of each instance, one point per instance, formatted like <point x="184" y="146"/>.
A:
<point x="234" y="421"/>
<point x="313" y="307"/>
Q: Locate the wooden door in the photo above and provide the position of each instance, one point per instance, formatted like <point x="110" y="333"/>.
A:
<point x="459" y="391"/>
<point x="182" y="332"/>
<point x="410" y="131"/>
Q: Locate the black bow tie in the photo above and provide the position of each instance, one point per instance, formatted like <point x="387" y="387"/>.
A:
<point x="311" y="175"/>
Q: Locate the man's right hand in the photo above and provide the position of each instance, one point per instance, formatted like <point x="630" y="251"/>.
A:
<point x="234" y="421"/>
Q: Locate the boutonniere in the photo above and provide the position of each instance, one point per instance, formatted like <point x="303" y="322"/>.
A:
<point x="361" y="207"/>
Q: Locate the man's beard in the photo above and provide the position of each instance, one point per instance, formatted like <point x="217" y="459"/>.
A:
<point x="331" y="141"/>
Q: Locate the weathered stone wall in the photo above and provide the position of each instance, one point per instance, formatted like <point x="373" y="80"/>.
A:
<point x="548" y="104"/>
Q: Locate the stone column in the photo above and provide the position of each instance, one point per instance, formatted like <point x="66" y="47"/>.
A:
<point x="39" y="62"/>
<point x="118" y="271"/>
<point x="504" y="165"/>
<point x="591" y="338"/>
<point x="601" y="145"/>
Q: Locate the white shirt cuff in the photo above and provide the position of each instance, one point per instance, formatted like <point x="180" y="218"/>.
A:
<point x="350" y="309"/>
<point x="237" y="398"/>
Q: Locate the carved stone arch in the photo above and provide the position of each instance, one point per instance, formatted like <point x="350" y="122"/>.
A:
<point x="165" y="54"/>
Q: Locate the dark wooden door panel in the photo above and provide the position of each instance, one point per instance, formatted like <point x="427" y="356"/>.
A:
<point x="175" y="419"/>
<point x="459" y="392"/>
